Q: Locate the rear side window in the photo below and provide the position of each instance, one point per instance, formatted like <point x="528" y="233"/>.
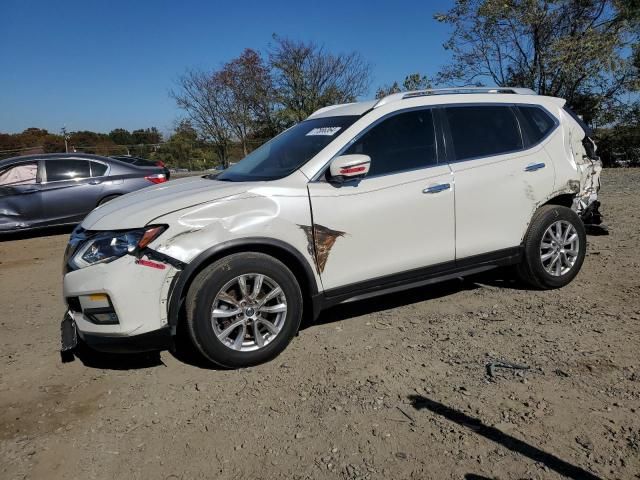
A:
<point x="483" y="130"/>
<point x="97" y="169"/>
<point x="403" y="142"/>
<point x="537" y="124"/>
<point x="66" y="170"/>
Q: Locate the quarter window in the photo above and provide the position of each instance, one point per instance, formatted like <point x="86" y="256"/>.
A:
<point x="537" y="123"/>
<point x="483" y="130"/>
<point x="66" y="170"/>
<point x="403" y="142"/>
<point x="98" y="169"/>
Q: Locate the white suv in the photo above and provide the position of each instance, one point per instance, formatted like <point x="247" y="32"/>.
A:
<point x="358" y="200"/>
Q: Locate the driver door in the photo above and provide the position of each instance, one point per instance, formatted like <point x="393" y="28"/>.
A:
<point x="396" y="221"/>
<point x="20" y="196"/>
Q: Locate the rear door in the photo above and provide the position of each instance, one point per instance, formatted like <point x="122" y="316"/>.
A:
<point x="20" y="196"/>
<point x="500" y="180"/>
<point x="69" y="191"/>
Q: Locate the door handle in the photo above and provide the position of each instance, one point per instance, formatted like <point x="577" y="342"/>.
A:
<point x="95" y="181"/>
<point x="532" y="167"/>
<point x="441" y="187"/>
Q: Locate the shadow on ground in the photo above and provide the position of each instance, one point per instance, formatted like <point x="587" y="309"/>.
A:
<point x="552" y="462"/>
<point x="113" y="361"/>
<point x="499" y="277"/>
<point x="185" y="351"/>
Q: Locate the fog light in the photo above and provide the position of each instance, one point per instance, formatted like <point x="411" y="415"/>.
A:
<point x="102" y="318"/>
<point x="97" y="308"/>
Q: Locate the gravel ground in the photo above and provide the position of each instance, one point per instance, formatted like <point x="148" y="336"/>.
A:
<point x="396" y="387"/>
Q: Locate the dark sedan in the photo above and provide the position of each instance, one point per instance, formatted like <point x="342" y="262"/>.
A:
<point x="39" y="191"/>
<point x="143" y="162"/>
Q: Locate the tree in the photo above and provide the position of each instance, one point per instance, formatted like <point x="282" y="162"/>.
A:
<point x="248" y="103"/>
<point x="147" y="136"/>
<point x="307" y="77"/>
<point x="575" y="49"/>
<point x="415" y="81"/>
<point x="120" y="136"/>
<point x="201" y="96"/>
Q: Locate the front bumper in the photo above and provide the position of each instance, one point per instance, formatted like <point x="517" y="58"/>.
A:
<point x="137" y="294"/>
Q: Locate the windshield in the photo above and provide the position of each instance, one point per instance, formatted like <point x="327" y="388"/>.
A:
<point x="287" y="152"/>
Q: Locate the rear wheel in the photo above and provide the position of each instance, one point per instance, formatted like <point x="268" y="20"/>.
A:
<point x="554" y="248"/>
<point x="243" y="309"/>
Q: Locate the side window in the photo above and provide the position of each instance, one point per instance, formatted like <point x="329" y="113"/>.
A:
<point x="537" y="123"/>
<point x="98" y="169"/>
<point x="403" y="142"/>
<point x="483" y="130"/>
<point x="66" y="170"/>
<point x="22" y="174"/>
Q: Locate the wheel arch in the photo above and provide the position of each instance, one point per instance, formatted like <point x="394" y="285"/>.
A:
<point x="563" y="199"/>
<point x="282" y="251"/>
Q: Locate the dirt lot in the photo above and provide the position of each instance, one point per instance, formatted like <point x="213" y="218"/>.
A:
<point x="395" y="387"/>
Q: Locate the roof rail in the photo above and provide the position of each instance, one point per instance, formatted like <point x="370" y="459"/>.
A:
<point x="451" y="91"/>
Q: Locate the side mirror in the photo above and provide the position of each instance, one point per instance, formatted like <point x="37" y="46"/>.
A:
<point x="349" y="167"/>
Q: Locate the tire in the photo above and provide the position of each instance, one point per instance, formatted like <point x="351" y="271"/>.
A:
<point x="548" y="263"/>
<point x="218" y="286"/>
<point x="107" y="199"/>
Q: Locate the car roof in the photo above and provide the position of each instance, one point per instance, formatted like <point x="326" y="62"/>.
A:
<point x="54" y="156"/>
<point x="439" y="97"/>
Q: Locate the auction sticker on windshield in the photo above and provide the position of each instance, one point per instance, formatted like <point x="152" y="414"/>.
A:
<point x="328" y="131"/>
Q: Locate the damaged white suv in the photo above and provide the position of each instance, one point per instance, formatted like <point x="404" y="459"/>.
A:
<point x="358" y="200"/>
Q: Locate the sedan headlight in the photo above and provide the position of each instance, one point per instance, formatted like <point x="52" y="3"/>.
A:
<point x="105" y="247"/>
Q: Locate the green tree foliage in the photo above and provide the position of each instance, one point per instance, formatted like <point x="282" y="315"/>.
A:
<point x="120" y="136"/>
<point x="147" y="136"/>
<point x="580" y="50"/>
<point x="117" y="142"/>
<point x="415" y="81"/>
<point x="184" y="150"/>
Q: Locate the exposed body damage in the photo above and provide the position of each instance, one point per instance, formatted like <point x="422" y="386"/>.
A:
<point x="588" y="167"/>
<point x="586" y="202"/>
<point x="320" y="241"/>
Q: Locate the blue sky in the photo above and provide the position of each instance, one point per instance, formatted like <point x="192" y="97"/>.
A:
<point x="100" y="65"/>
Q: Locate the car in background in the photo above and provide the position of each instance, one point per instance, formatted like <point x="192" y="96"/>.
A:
<point x="38" y="191"/>
<point x="143" y="162"/>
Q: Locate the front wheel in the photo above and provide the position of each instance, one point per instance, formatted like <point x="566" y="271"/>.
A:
<point x="554" y="248"/>
<point x="243" y="309"/>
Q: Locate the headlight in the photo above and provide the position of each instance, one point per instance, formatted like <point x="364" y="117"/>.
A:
<point x="105" y="247"/>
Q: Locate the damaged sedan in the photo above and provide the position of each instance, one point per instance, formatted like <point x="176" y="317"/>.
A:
<point x="358" y="200"/>
<point x="38" y="191"/>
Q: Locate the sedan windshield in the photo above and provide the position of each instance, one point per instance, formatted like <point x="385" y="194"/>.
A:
<point x="287" y="152"/>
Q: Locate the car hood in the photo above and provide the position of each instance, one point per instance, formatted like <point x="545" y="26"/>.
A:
<point x="143" y="206"/>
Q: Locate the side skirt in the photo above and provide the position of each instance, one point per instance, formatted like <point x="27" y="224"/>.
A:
<point x="417" y="277"/>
